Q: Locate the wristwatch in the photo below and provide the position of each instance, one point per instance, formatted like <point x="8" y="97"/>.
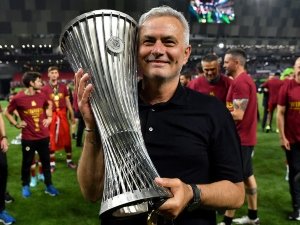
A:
<point x="196" y="200"/>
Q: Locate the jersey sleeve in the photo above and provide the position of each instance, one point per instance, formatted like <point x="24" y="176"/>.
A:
<point x="241" y="91"/>
<point x="282" y="96"/>
<point x="12" y="106"/>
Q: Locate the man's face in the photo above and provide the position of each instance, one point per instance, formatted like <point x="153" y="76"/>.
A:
<point x="37" y="84"/>
<point x="210" y="69"/>
<point x="162" y="51"/>
<point x="297" y="70"/>
<point x="53" y="75"/>
<point x="184" y="80"/>
<point x="230" y="64"/>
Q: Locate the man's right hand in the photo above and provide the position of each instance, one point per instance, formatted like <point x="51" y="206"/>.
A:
<point x="83" y="91"/>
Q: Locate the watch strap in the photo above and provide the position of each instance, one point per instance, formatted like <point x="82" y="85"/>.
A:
<point x="196" y="194"/>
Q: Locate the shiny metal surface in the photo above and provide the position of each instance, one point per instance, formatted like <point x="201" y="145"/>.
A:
<point x="103" y="43"/>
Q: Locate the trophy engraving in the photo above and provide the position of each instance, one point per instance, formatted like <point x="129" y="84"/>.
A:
<point x="103" y="43"/>
<point x="115" y="45"/>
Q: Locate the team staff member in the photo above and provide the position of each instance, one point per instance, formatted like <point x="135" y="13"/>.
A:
<point x="212" y="83"/>
<point x="35" y="112"/>
<point x="273" y="85"/>
<point x="288" y="121"/>
<point x="242" y="103"/>
<point x="193" y="140"/>
<point x="5" y="217"/>
<point x="60" y="137"/>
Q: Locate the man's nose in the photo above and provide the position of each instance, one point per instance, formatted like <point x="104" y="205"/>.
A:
<point x="158" y="48"/>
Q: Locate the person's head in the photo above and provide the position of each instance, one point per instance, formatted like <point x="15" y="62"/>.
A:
<point x="211" y="67"/>
<point x="297" y="70"/>
<point x="53" y="73"/>
<point x="184" y="79"/>
<point x="163" y="43"/>
<point x="32" y="79"/>
<point x="235" y="61"/>
<point x="199" y="69"/>
<point x="288" y="73"/>
<point x="277" y="74"/>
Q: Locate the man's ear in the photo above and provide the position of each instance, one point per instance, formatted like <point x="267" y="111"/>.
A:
<point x="187" y="53"/>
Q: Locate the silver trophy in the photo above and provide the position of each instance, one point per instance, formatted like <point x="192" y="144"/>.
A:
<point x="103" y="43"/>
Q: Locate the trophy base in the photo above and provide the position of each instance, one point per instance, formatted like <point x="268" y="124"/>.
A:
<point x="133" y="203"/>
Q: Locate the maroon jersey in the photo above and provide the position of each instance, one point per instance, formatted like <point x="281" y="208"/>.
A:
<point x="273" y="86"/>
<point x="31" y="109"/>
<point x="218" y="89"/>
<point x="57" y="95"/>
<point x="289" y="96"/>
<point x="243" y="87"/>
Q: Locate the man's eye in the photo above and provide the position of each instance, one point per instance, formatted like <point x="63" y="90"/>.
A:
<point x="148" y="42"/>
<point x="169" y="43"/>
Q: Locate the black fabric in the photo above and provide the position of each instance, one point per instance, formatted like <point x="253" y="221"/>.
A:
<point x="247" y="161"/>
<point x="194" y="138"/>
<point x="293" y="159"/>
<point x="191" y="137"/>
<point x="28" y="152"/>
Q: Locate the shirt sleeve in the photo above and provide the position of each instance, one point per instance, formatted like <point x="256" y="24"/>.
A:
<point x="282" y="96"/>
<point x="241" y="91"/>
<point x="12" y="106"/>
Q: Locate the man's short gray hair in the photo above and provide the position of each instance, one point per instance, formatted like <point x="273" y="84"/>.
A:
<point x="167" y="11"/>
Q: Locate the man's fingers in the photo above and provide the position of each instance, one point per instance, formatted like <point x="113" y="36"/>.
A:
<point x="86" y="93"/>
<point x="77" y="78"/>
<point x="166" y="182"/>
<point x="82" y="85"/>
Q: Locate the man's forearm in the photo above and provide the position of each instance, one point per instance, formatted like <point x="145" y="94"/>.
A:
<point x="90" y="171"/>
<point x="222" y="194"/>
<point x="280" y="121"/>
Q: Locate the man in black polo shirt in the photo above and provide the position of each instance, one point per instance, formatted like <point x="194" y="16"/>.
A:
<point x="190" y="137"/>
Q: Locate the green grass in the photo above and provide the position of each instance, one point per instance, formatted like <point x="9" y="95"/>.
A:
<point x="69" y="208"/>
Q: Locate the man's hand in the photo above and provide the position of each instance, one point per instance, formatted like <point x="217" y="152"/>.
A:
<point x="182" y="195"/>
<point x="47" y="122"/>
<point x="4" y="145"/>
<point x="21" y="125"/>
<point x="285" y="143"/>
<point x="83" y="91"/>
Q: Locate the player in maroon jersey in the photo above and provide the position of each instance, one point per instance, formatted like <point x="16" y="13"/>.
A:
<point x="35" y="112"/>
<point x="212" y="82"/>
<point x="273" y="85"/>
<point x="288" y="120"/>
<point x="242" y="103"/>
<point x="60" y="137"/>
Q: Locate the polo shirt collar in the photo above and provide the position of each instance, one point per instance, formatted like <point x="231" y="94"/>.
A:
<point x="177" y="99"/>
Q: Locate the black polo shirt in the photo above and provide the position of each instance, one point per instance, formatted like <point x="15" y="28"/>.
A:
<point x="192" y="137"/>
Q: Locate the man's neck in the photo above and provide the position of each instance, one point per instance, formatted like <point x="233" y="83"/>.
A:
<point x="30" y="91"/>
<point x="157" y="92"/>
<point x="238" y="72"/>
<point x="53" y="82"/>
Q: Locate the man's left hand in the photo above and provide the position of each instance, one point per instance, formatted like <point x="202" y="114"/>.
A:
<point x="182" y="195"/>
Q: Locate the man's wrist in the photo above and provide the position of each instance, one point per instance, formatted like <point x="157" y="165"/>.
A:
<point x="89" y="129"/>
<point x="196" y="200"/>
<point x="4" y="137"/>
